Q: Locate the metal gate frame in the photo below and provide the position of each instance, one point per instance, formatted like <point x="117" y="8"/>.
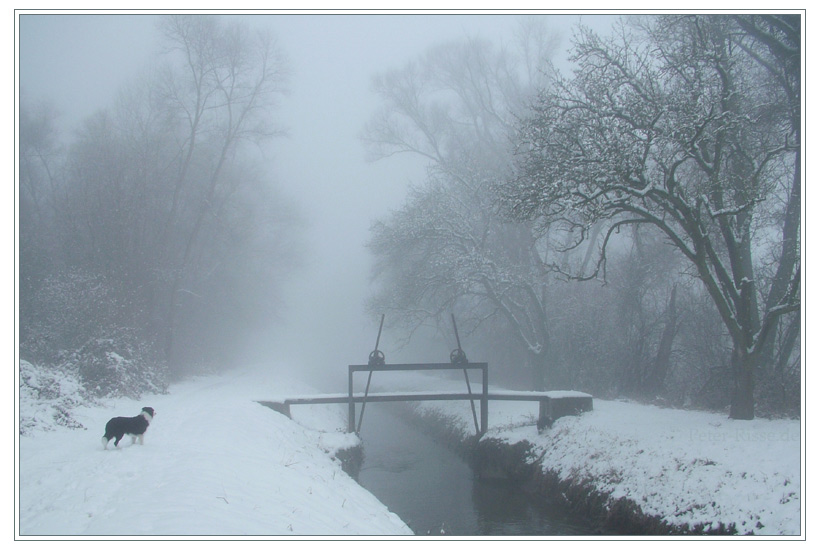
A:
<point x="483" y="399"/>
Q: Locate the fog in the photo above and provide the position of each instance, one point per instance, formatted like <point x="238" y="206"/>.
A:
<point x="80" y="62"/>
<point x="177" y="224"/>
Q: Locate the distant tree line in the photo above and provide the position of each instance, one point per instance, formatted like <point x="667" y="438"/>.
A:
<point x="632" y="229"/>
<point x="151" y="240"/>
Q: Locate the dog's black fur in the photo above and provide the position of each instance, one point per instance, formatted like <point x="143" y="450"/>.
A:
<point x="134" y="426"/>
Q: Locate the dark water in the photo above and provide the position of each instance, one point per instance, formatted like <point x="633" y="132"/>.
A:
<point x="433" y="490"/>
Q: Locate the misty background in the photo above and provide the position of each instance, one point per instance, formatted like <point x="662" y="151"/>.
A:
<point x="79" y="63"/>
<point x="310" y="302"/>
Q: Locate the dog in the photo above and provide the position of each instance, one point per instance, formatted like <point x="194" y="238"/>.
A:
<point x="135" y="426"/>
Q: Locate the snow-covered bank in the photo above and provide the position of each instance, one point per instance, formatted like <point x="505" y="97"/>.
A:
<point x="689" y="468"/>
<point x="214" y="463"/>
<point x="686" y="467"/>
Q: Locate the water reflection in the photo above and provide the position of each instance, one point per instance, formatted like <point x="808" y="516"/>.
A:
<point x="435" y="492"/>
<point x="503" y="509"/>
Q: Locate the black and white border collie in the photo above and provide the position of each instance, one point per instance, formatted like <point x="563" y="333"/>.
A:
<point x="134" y="426"/>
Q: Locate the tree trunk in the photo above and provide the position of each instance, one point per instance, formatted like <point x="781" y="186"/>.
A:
<point x="743" y="402"/>
<point x="789" y="257"/>
<point x="663" y="359"/>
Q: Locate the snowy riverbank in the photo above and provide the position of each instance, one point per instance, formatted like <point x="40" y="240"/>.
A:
<point x="216" y="463"/>
<point x="688" y="468"/>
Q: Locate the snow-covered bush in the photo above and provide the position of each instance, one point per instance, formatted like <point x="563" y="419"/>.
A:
<point x="47" y="398"/>
<point x="119" y="364"/>
<point x="68" y="307"/>
<point x="86" y="324"/>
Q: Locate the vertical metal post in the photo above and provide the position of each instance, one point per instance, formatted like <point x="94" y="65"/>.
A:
<point x="472" y="403"/>
<point x="485" y="391"/>
<point x="351" y="406"/>
<point x="544" y="413"/>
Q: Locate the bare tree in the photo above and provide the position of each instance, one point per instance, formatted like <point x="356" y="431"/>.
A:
<point x="162" y="222"/>
<point x="445" y="252"/>
<point x="674" y="124"/>
<point x="446" y="249"/>
<point x="221" y="85"/>
<point x="38" y="195"/>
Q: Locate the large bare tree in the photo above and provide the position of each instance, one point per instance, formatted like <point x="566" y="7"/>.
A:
<point x="688" y="124"/>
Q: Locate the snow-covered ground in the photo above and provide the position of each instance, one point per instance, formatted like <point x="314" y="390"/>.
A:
<point x="216" y="463"/>
<point x="688" y="467"/>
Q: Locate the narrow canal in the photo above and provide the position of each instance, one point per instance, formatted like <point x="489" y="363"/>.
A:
<point x="435" y="492"/>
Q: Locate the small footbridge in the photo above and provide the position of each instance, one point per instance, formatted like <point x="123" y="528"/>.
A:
<point x="551" y="404"/>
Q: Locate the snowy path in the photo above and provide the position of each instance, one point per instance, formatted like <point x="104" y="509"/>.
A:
<point x="214" y="463"/>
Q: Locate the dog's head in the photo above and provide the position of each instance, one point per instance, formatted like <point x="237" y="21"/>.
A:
<point x="149" y="410"/>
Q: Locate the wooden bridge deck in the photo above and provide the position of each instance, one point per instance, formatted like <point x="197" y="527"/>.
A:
<point x="502" y="395"/>
<point x="552" y="404"/>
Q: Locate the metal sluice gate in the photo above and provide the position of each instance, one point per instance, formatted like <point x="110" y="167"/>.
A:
<point x="458" y="360"/>
<point x="552" y="404"/>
